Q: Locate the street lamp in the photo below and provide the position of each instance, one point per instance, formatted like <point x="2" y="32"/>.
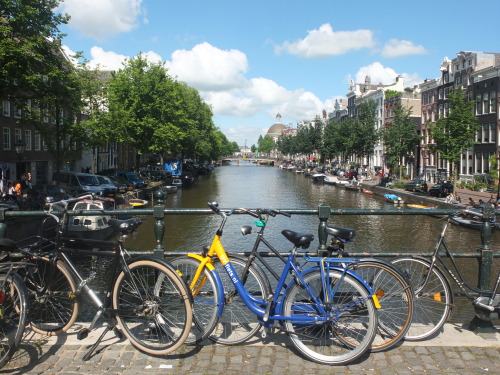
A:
<point x="19" y="148"/>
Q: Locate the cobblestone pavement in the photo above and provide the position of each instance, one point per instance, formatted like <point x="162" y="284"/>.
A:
<point x="454" y="352"/>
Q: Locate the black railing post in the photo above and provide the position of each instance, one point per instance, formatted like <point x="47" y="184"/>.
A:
<point x="486" y="257"/>
<point x="3" y="225"/>
<point x="159" y="214"/>
<point x="324" y="214"/>
<point x="485" y="260"/>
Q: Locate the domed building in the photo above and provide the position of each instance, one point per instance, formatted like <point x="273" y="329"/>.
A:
<point x="277" y="128"/>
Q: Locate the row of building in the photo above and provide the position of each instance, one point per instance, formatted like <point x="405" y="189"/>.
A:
<point x="477" y="72"/>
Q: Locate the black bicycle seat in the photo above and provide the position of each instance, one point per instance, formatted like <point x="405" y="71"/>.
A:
<point x="124" y="226"/>
<point x="347" y="234"/>
<point x="302" y="240"/>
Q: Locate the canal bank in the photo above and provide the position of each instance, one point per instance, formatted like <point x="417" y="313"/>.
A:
<point x="454" y="351"/>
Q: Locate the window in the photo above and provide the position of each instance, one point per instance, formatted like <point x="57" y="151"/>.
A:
<point x="479" y="137"/>
<point x="486" y="103"/>
<point x="27" y="139"/>
<point x="479" y="106"/>
<point x="6" y="138"/>
<point x="486" y="133"/>
<point x="441" y="110"/>
<point x="6" y="108"/>
<point x="493" y="136"/>
<point x="17" y="111"/>
<point x="18" y="138"/>
<point x="493" y="102"/>
<point x="440" y="94"/>
<point x="446" y="90"/>
<point x="38" y="141"/>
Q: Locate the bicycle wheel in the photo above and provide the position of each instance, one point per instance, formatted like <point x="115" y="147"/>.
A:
<point x="351" y="323"/>
<point x="432" y="302"/>
<point x="54" y="305"/>
<point x="237" y="323"/>
<point x="153" y="306"/>
<point x="205" y="298"/>
<point x="13" y="315"/>
<point x="396" y="299"/>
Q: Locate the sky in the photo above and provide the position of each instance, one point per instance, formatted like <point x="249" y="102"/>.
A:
<point x="251" y="60"/>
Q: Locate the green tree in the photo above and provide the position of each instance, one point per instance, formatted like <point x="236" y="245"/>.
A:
<point x="455" y="133"/>
<point x="265" y="144"/>
<point x="364" y="133"/>
<point x="28" y="36"/>
<point x="400" y="137"/>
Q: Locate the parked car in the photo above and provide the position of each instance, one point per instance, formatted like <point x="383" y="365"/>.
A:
<point x="441" y="189"/>
<point x="417" y="185"/>
<point x="133" y="177"/>
<point x="110" y="186"/>
<point x="36" y="195"/>
<point x="122" y="184"/>
<point x="81" y="183"/>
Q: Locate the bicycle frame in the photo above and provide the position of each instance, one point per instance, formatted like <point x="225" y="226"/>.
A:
<point x="271" y="309"/>
<point x="458" y="278"/>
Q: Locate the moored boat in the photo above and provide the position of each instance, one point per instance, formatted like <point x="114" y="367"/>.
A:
<point x="90" y="227"/>
<point x="393" y="198"/>
<point x="169" y="189"/>
<point x="137" y="203"/>
<point x="367" y="191"/>
<point x="471" y="219"/>
<point x="318" y="177"/>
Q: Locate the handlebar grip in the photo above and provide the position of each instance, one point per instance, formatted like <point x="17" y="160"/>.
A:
<point x="214" y="206"/>
<point x="285" y="214"/>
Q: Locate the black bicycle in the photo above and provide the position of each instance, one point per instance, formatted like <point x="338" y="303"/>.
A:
<point x="13" y="310"/>
<point x="145" y="298"/>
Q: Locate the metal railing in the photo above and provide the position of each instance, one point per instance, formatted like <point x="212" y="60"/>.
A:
<point x="484" y="253"/>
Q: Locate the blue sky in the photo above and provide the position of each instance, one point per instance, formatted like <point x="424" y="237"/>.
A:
<point x="253" y="59"/>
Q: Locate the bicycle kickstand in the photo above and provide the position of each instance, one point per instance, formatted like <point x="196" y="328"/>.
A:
<point x="87" y="356"/>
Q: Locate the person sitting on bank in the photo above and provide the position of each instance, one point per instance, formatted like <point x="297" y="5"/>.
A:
<point x="471" y="202"/>
<point x="18" y="188"/>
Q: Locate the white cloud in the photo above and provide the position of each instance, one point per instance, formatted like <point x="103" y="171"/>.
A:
<point x="397" y="48"/>
<point x="101" y="19"/>
<point x="208" y="68"/>
<point x="106" y="60"/>
<point x="385" y="75"/>
<point x="325" y="42"/>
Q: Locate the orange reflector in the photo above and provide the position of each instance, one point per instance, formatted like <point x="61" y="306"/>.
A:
<point x="380" y="293"/>
<point x="437" y="297"/>
<point x="375" y="301"/>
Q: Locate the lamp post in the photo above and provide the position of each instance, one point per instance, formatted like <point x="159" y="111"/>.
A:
<point x="19" y="148"/>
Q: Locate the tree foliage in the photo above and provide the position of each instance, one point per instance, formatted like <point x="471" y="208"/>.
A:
<point x="265" y="144"/>
<point x="29" y="33"/>
<point x="454" y="133"/>
<point x="400" y="136"/>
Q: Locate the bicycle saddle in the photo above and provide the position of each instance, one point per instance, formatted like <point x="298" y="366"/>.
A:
<point x="347" y="234"/>
<point x="302" y="240"/>
<point x="124" y="226"/>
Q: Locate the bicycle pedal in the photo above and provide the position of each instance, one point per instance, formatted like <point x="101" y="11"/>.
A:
<point x="82" y="334"/>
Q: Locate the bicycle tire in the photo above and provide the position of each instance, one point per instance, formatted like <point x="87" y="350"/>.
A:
<point x="205" y="298"/>
<point x="432" y="303"/>
<point x="395" y="295"/>
<point x="155" y="318"/>
<point x="237" y="323"/>
<point x="13" y="315"/>
<point x="346" y="335"/>
<point x="54" y="305"/>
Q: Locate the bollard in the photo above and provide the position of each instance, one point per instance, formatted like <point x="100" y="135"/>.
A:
<point x="324" y="214"/>
<point x="159" y="214"/>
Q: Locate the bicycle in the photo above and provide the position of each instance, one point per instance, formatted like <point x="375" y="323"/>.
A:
<point x="432" y="293"/>
<point x="13" y="310"/>
<point x="145" y="298"/>
<point x="328" y="311"/>
<point x="391" y="287"/>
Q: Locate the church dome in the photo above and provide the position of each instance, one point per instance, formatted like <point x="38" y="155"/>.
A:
<point x="276" y="128"/>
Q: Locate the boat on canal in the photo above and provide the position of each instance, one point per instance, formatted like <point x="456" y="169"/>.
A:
<point x="393" y="198"/>
<point x="471" y="219"/>
<point x="94" y="227"/>
<point x="318" y="177"/>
